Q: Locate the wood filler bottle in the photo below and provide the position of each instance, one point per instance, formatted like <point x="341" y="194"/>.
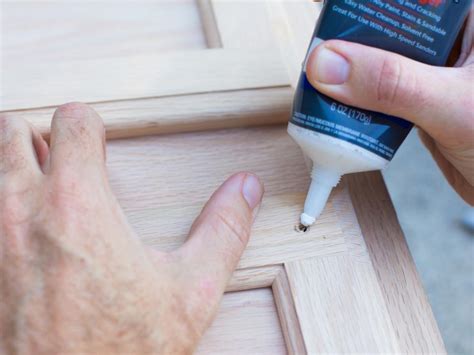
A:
<point x="340" y="139"/>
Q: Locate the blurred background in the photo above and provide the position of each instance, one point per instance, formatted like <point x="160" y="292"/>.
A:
<point x="430" y="213"/>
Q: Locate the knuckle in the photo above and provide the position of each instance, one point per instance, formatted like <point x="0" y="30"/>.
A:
<point x="12" y="127"/>
<point x="15" y="132"/>
<point x="73" y="110"/>
<point x="81" y="115"/>
<point x="388" y="80"/>
<point x="234" y="226"/>
<point x="6" y="122"/>
<point x="80" y="124"/>
<point x="396" y="85"/>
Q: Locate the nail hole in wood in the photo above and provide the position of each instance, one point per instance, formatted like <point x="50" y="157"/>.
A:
<point x="300" y="228"/>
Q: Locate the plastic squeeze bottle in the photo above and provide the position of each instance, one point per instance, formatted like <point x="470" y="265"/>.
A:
<point x="340" y="139"/>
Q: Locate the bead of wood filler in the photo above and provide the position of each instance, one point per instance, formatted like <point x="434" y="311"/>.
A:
<point x="340" y="139"/>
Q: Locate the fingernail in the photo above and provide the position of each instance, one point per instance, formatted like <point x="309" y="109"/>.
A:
<point x="252" y="190"/>
<point x="330" y="67"/>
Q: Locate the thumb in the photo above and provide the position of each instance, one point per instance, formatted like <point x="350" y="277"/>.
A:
<point x="221" y="232"/>
<point x="382" y="81"/>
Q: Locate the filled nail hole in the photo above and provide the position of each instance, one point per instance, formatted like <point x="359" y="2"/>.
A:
<point x="301" y="228"/>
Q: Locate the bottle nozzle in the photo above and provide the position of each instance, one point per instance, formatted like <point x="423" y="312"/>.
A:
<point x="322" y="182"/>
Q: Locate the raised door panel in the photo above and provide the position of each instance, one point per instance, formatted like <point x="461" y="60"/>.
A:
<point x="141" y="51"/>
<point x="173" y="65"/>
<point x="71" y="30"/>
<point x="247" y="323"/>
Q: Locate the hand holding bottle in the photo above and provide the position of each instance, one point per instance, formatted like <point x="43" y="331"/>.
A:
<point x="439" y="100"/>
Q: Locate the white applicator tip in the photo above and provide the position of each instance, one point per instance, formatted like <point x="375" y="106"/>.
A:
<point x="307" y="220"/>
<point x="322" y="183"/>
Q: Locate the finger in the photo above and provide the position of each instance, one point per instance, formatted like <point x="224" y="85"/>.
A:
<point x="77" y="139"/>
<point x="221" y="232"/>
<point x="381" y="81"/>
<point x="18" y="156"/>
<point x="450" y="172"/>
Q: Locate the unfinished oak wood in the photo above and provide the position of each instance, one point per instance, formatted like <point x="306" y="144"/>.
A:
<point x="163" y="182"/>
<point x="340" y="307"/>
<point x="346" y="313"/>
<point x="347" y="220"/>
<point x="208" y="18"/>
<point x="293" y="23"/>
<point x="401" y="286"/>
<point x="185" y="113"/>
<point x="247" y="323"/>
<point x="73" y="70"/>
<point x="52" y="83"/>
<point x="289" y="320"/>
<point x="258" y="277"/>
<point x="63" y="30"/>
<point x="243" y="24"/>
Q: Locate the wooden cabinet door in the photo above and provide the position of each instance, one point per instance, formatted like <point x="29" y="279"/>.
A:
<point x="173" y="80"/>
<point x="348" y="284"/>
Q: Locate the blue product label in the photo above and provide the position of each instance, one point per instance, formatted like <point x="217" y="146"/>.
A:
<point x="424" y="30"/>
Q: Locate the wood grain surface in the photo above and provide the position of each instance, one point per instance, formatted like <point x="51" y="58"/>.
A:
<point x="251" y="278"/>
<point x="344" y="309"/>
<point x="74" y="30"/>
<point x="341" y="299"/>
<point x="293" y="24"/>
<point x="289" y="320"/>
<point x="243" y="24"/>
<point x="41" y="84"/>
<point x="185" y="113"/>
<point x="104" y="51"/>
<point x="407" y="303"/>
<point x="160" y="184"/>
<point x="247" y="323"/>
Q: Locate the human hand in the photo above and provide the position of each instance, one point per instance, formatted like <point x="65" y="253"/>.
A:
<point x="440" y="101"/>
<point x="74" y="276"/>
